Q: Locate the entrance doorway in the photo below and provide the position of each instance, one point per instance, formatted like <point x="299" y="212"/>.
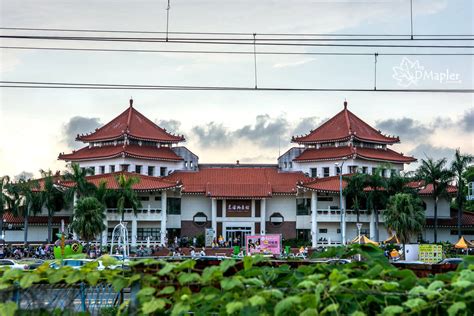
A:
<point x="236" y="235"/>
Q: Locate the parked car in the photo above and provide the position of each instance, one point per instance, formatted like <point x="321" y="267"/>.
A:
<point x="32" y="263"/>
<point x="76" y="263"/>
<point x="12" y="264"/>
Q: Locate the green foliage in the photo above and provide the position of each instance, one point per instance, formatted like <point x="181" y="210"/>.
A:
<point x="256" y="287"/>
<point x="88" y="220"/>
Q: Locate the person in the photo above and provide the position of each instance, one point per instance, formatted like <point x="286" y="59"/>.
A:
<point x="193" y="252"/>
<point x="203" y="252"/>
<point x="194" y="241"/>
<point x="394" y="254"/>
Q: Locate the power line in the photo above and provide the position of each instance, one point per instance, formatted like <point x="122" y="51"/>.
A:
<point x="229" y="33"/>
<point x="229" y="52"/>
<point x="67" y="85"/>
<point x="220" y="42"/>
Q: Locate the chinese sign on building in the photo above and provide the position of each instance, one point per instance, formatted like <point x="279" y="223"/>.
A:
<point x="238" y="205"/>
<point x="263" y="244"/>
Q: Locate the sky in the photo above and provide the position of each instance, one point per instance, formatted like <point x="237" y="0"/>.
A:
<point x="225" y="126"/>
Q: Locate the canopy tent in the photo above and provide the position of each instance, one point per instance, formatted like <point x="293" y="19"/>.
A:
<point x="392" y="240"/>
<point x="463" y="244"/>
<point x="362" y="239"/>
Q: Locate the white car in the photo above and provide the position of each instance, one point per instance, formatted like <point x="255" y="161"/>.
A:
<point x="76" y="263"/>
<point x="12" y="264"/>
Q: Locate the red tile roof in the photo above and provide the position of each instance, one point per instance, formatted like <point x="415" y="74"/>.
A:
<point x="135" y="125"/>
<point x="427" y="190"/>
<point x="33" y="220"/>
<point x="238" y="182"/>
<point x="135" y="151"/>
<point x="146" y="183"/>
<point x="327" y="153"/>
<point x="328" y="184"/>
<point x="341" y="127"/>
<point x="467" y="220"/>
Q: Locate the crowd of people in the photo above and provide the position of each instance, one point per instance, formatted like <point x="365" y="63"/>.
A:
<point x="19" y="252"/>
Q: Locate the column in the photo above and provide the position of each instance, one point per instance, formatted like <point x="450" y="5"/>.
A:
<point x="134" y="231"/>
<point x="252" y="207"/>
<point x="372" y="226"/>
<point x="224" y="206"/>
<point x="343" y="210"/>
<point x="263" y="214"/>
<point x="163" y="218"/>
<point x="314" y="223"/>
<point x="214" y="217"/>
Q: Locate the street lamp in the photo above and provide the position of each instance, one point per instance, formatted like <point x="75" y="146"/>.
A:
<point x="343" y="217"/>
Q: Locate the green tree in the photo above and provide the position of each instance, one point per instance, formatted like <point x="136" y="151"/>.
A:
<point x="80" y="187"/>
<point x="376" y="196"/>
<point x="4" y="181"/>
<point x="52" y="197"/>
<point x="125" y="195"/>
<point x="398" y="184"/>
<point x="435" y="173"/>
<point x="355" y="191"/>
<point x="24" y="199"/>
<point x="458" y="168"/>
<point x="404" y="215"/>
<point x="88" y="220"/>
<point x="468" y="176"/>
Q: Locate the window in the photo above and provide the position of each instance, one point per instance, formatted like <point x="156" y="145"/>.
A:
<point x="393" y="172"/>
<point x="151" y="170"/>
<point x="325" y="199"/>
<point x="303" y="234"/>
<point x="173" y="206"/>
<point x="157" y="198"/>
<point x="337" y="170"/>
<point x="191" y="164"/>
<point x="338" y="230"/>
<point x="290" y="164"/>
<point x="185" y="164"/>
<point x="112" y="168"/>
<point x="365" y="170"/>
<point x="314" y="172"/>
<point x="285" y="164"/>
<point x="92" y="170"/>
<point x="365" y="232"/>
<point x="124" y="167"/>
<point x="326" y="172"/>
<point x="102" y="169"/>
<point x="163" y="171"/>
<point x="144" y="233"/>
<point x="303" y="206"/>
<point x="144" y="198"/>
<point x="352" y="169"/>
<point x="323" y="230"/>
<point x="138" y="169"/>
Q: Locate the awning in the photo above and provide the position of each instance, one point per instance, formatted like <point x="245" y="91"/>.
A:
<point x="463" y="244"/>
<point x="363" y="240"/>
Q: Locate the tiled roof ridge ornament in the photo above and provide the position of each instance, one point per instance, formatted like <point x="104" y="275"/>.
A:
<point x="131" y="102"/>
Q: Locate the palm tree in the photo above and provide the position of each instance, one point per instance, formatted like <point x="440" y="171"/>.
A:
<point x="376" y="196"/>
<point x="4" y="181"/>
<point x="126" y="195"/>
<point x="434" y="173"/>
<point x="32" y="201"/>
<point x="52" y="197"/>
<point x="355" y="190"/>
<point x="458" y="166"/>
<point x="405" y="216"/>
<point x="81" y="187"/>
<point x="398" y="184"/>
<point x="89" y="215"/>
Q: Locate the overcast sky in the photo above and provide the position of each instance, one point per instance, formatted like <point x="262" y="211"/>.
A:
<point x="36" y="125"/>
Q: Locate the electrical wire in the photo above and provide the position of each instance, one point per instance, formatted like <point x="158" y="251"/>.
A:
<point x="95" y="86"/>
<point x="229" y="52"/>
<point x="203" y="41"/>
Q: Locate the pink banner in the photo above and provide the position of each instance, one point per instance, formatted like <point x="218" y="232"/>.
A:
<point x="263" y="244"/>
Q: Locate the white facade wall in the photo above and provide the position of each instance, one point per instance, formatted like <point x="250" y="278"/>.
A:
<point x="35" y="234"/>
<point x="191" y="204"/>
<point x="132" y="162"/>
<point x="443" y="207"/>
<point x="285" y="205"/>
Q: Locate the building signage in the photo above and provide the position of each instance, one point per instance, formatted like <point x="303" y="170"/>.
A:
<point x="430" y="253"/>
<point x="238" y="205"/>
<point x="263" y="244"/>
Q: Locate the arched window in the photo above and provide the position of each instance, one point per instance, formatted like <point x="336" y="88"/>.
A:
<point x="276" y="219"/>
<point x="200" y="219"/>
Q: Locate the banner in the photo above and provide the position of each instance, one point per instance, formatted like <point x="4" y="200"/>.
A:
<point x="430" y="253"/>
<point x="263" y="244"/>
<point x="209" y="236"/>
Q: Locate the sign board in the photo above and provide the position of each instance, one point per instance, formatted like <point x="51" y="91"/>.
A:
<point x="263" y="244"/>
<point x="430" y="253"/>
<point x="209" y="236"/>
<point x="238" y="205"/>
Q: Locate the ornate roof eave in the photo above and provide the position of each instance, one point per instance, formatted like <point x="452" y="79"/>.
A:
<point x="324" y="159"/>
<point x="349" y="137"/>
<point x="120" y="154"/>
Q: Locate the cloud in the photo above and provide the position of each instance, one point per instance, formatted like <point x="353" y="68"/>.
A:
<point x="266" y="131"/>
<point x="172" y="126"/>
<point x="212" y="134"/>
<point x="424" y="151"/>
<point x="293" y="63"/>
<point x="78" y="125"/>
<point x="306" y="125"/>
<point x="467" y="120"/>
<point x="24" y="175"/>
<point x="407" y="128"/>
